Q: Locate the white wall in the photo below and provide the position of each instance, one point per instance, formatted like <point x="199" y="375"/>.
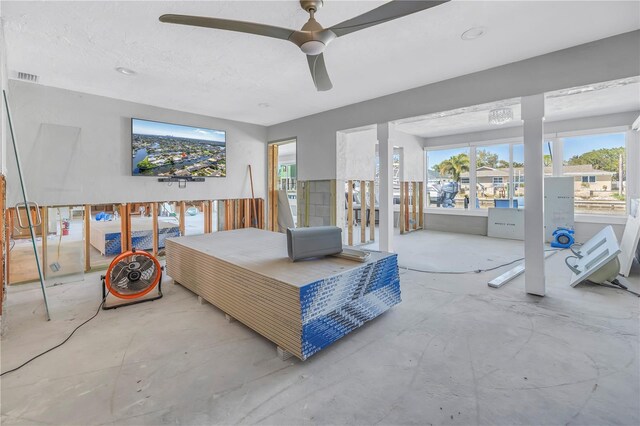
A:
<point x="413" y="155"/>
<point x="4" y="83"/>
<point x="76" y="148"/>
<point x="356" y="155"/>
<point x="602" y="60"/>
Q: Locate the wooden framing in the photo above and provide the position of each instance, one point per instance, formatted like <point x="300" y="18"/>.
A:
<point x="4" y="248"/>
<point x="363" y="211"/>
<point x="154" y="225"/>
<point x="421" y="205"/>
<point x="272" y="187"/>
<point x="125" y="227"/>
<point x="8" y="226"/>
<point x="44" y="214"/>
<point x="350" y="213"/>
<point x="372" y="207"/>
<point x="411" y="206"/>
<point x="181" y="211"/>
<point x="206" y="211"/>
<point x="87" y="237"/>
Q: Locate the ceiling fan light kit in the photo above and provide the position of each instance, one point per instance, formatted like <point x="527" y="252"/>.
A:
<point x="312" y="38"/>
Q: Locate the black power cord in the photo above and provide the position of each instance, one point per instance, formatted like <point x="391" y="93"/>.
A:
<point x="58" y="345"/>
<point x="475" y="271"/>
<point x="619" y="286"/>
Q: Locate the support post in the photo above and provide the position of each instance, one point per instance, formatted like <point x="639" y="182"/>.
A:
<point x="87" y="237"/>
<point x="363" y="212"/>
<point x="385" y="150"/>
<point x="372" y="210"/>
<point x="350" y="213"/>
<point x="124" y="218"/>
<point x="44" y="229"/>
<point x="421" y="206"/>
<point x="533" y="129"/>
<point x="414" y="204"/>
<point x="557" y="153"/>
<point x="181" y="210"/>
<point x="401" y="214"/>
<point x="633" y="166"/>
<point x="154" y="225"/>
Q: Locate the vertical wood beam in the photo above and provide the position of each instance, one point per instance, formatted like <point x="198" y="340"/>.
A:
<point x="350" y="213"/>
<point x="8" y="223"/>
<point x="414" y="202"/>
<point x="533" y="130"/>
<point x="372" y="213"/>
<point x="421" y="206"/>
<point x="44" y="230"/>
<point x="272" y="187"/>
<point x="155" y="245"/>
<point x="363" y="212"/>
<point x="129" y="237"/>
<point x="124" y="218"/>
<point x="87" y="237"/>
<point x="181" y="223"/>
<point x="401" y="214"/>
<point x="407" y="222"/>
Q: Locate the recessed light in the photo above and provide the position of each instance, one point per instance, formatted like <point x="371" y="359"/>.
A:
<point x="125" y="71"/>
<point x="264" y="105"/>
<point x="473" y="33"/>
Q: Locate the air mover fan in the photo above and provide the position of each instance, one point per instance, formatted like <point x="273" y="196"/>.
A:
<point x="563" y="238"/>
<point x="131" y="276"/>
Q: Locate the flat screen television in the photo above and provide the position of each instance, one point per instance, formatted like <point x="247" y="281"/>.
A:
<point x="173" y="150"/>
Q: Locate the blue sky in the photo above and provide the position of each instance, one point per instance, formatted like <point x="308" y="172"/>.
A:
<point x="572" y="146"/>
<point x="143" y="127"/>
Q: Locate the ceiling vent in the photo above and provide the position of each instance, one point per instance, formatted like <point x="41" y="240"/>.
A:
<point x="24" y="76"/>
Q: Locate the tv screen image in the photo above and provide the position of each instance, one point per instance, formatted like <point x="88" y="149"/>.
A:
<point x="164" y="149"/>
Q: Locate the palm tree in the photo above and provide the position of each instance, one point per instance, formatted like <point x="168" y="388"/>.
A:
<point x="455" y="166"/>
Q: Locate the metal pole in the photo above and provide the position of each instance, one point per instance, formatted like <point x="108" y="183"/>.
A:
<point x="24" y="196"/>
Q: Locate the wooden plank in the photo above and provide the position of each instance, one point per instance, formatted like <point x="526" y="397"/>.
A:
<point x="363" y="212"/>
<point x="87" y="237"/>
<point x="272" y="186"/>
<point x="407" y="224"/>
<point x="3" y="240"/>
<point x="181" y="211"/>
<point x="401" y="213"/>
<point x="350" y="213"/>
<point x="206" y="213"/>
<point x="45" y="232"/>
<point x="8" y="223"/>
<point x="414" y="204"/>
<point x="372" y="214"/>
<point x="421" y="206"/>
<point x="124" y="218"/>
<point x="154" y="227"/>
<point x="129" y="230"/>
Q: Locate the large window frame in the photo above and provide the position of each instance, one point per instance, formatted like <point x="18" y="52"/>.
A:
<point x="557" y="140"/>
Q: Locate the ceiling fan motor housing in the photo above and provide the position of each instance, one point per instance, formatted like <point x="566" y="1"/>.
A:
<point x="309" y="5"/>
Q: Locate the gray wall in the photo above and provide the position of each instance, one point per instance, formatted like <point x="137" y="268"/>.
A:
<point x="76" y="148"/>
<point x="602" y="60"/>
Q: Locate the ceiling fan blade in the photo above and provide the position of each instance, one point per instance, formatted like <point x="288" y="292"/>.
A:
<point x="386" y="12"/>
<point x="230" y="25"/>
<point x="319" y="72"/>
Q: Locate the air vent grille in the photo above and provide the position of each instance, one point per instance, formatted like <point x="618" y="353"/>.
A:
<point x="24" y="76"/>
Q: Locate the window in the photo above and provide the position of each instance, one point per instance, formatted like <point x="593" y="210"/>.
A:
<point x="492" y="172"/>
<point x="448" y="177"/>
<point x="597" y="165"/>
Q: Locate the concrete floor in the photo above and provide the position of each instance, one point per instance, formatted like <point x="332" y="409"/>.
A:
<point x="453" y="352"/>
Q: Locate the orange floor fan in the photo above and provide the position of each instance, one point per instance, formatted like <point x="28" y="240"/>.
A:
<point x="131" y="277"/>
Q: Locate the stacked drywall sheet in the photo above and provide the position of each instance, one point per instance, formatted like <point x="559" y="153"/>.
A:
<point x="302" y="306"/>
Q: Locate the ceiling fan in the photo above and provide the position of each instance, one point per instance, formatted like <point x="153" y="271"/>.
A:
<point x="312" y="39"/>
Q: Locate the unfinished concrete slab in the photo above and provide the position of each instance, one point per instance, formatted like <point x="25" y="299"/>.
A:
<point x="453" y="352"/>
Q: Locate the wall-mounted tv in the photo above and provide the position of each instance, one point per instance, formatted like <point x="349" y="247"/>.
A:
<point x="164" y="149"/>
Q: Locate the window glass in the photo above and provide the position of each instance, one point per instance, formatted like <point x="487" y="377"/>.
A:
<point x="448" y="178"/>
<point x="597" y="164"/>
<point x="492" y="176"/>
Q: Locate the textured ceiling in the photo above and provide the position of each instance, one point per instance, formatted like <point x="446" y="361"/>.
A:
<point x="77" y="45"/>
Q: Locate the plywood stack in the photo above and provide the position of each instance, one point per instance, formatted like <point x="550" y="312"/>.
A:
<point x="303" y="306"/>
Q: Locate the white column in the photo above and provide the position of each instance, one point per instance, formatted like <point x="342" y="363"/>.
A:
<point x="633" y="166"/>
<point x="557" y="152"/>
<point x="385" y="149"/>
<point x="473" y="180"/>
<point x="511" y="183"/>
<point x="533" y="116"/>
